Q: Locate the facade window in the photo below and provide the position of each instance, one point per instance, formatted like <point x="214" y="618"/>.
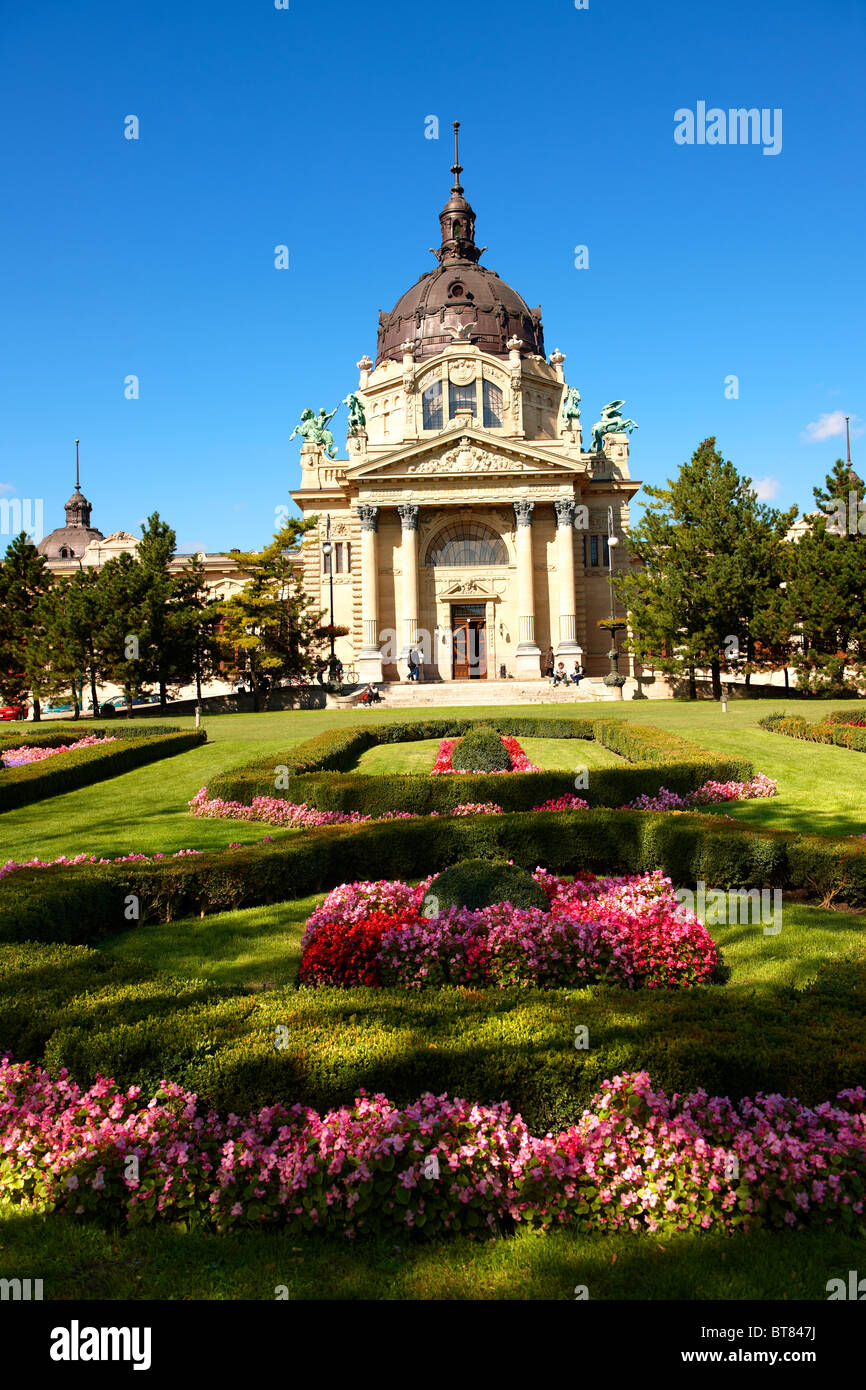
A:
<point x="431" y="407"/>
<point x="342" y="557"/>
<point x="492" y="404"/>
<point x="593" y="550"/>
<point x="461" y="398"/>
<point x="605" y="552"/>
<point x="583" y="538"/>
<point x="468" y="543"/>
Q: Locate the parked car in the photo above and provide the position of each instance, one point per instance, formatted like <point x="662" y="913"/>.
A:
<point x="117" y="703"/>
<point x="59" y="709"/>
<point x="14" y="711"/>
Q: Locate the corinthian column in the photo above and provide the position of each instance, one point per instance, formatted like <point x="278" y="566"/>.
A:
<point x="369" y="658"/>
<point x="527" y="653"/>
<point x="564" y="507"/>
<point x="409" y="564"/>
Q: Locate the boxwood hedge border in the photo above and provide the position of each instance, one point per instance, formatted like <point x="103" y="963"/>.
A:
<point x="83" y="904"/>
<point x="318" y="772"/>
<point x="832" y="729"/>
<point x="20" y="786"/>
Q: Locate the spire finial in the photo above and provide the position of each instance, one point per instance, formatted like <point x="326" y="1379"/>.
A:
<point x="77" y="483"/>
<point x="456" y="167"/>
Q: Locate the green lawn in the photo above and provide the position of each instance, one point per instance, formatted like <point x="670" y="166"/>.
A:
<point x="83" y="1262"/>
<point x="549" y="754"/>
<point x="821" y="789"/>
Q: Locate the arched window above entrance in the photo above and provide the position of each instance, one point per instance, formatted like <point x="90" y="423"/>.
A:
<point x="467" y="543"/>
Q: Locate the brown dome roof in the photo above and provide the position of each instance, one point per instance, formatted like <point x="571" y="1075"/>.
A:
<point x="75" y="539"/>
<point x="459" y="292"/>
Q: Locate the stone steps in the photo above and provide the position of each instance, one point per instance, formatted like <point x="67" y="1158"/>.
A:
<point x="398" y="694"/>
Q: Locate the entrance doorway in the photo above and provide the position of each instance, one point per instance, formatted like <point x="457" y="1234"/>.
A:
<point x="469" y="633"/>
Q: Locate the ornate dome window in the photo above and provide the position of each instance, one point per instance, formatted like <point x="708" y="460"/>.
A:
<point x="467" y="543"/>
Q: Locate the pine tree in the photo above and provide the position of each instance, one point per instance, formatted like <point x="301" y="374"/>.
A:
<point x="708" y="549"/>
<point x="121" y="616"/>
<point x="270" y="625"/>
<point x="24" y="580"/>
<point x="194" y="620"/>
<point x="826" y="582"/>
<point x="154" y="556"/>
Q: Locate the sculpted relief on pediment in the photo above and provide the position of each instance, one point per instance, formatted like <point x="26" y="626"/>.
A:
<point x="466" y="457"/>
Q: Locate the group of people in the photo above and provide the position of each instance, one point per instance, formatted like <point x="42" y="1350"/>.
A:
<point x="556" y="670"/>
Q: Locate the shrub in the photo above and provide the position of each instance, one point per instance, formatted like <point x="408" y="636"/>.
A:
<point x="87" y="903"/>
<point x="482" y="750"/>
<point x="19" y="786"/>
<point x="479" y="882"/>
<point x="839" y="727"/>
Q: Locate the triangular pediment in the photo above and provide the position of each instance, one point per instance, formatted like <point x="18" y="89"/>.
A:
<point x="468" y="454"/>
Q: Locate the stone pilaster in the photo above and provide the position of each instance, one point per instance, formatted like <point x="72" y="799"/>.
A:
<point x="409" y="513"/>
<point x="567" y="645"/>
<point x="527" y="654"/>
<point x="370" y="657"/>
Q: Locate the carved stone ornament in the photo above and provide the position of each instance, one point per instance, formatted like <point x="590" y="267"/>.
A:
<point x="461" y="372"/>
<point x="564" y="508"/>
<point x="368" y="515"/>
<point x="467" y="457"/>
<point x="523" y="512"/>
<point x="409" y="512"/>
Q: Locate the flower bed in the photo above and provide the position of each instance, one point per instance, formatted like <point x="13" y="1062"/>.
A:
<point x="707" y="795"/>
<point x="65" y="861"/>
<point x="519" y="760"/>
<point x="272" y="811"/>
<point x="636" y="1160"/>
<point x="28" y="753"/>
<point x="630" y="931"/>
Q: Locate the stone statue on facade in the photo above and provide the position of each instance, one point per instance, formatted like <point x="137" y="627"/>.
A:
<point x="571" y="408"/>
<point x="611" y="422"/>
<point x="357" y="417"/>
<point x="312" y="429"/>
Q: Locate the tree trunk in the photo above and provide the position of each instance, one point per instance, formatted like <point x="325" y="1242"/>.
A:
<point x="693" y="688"/>
<point x="198" y="682"/>
<point x="75" y="701"/>
<point x="716" y="671"/>
<point x="162" y="697"/>
<point x="37" y="710"/>
<point x="787" y="683"/>
<point x="128" y="699"/>
<point x="93" y="695"/>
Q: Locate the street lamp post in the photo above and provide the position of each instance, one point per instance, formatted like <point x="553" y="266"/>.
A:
<point x="328" y="553"/>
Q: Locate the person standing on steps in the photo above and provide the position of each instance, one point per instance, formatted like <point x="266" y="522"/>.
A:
<point x="547" y="663"/>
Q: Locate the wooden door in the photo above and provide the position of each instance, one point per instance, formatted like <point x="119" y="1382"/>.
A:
<point x="469" y="632"/>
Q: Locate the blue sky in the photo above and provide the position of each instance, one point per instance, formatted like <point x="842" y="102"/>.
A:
<point x="306" y="127"/>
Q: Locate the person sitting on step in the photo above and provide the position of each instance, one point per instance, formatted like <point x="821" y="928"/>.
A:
<point x="560" y="675"/>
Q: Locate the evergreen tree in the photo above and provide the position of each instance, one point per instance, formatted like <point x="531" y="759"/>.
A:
<point x="154" y="556"/>
<point x="826" y="583"/>
<point x="122" y="609"/>
<point x="270" y="625"/>
<point x="708" y="549"/>
<point x="194" y="620"/>
<point x="24" y="580"/>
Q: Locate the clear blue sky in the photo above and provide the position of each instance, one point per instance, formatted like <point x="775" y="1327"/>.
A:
<point x="306" y="127"/>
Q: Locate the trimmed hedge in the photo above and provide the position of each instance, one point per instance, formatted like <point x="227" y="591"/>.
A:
<point x="475" y="883"/>
<point x="311" y="767"/>
<point x="73" y="1008"/>
<point x="84" y="904"/>
<point x="831" y="730"/>
<point x="19" y="786"/>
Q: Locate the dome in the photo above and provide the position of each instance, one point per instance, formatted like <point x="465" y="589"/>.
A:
<point x="69" y="542"/>
<point x="458" y="294"/>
